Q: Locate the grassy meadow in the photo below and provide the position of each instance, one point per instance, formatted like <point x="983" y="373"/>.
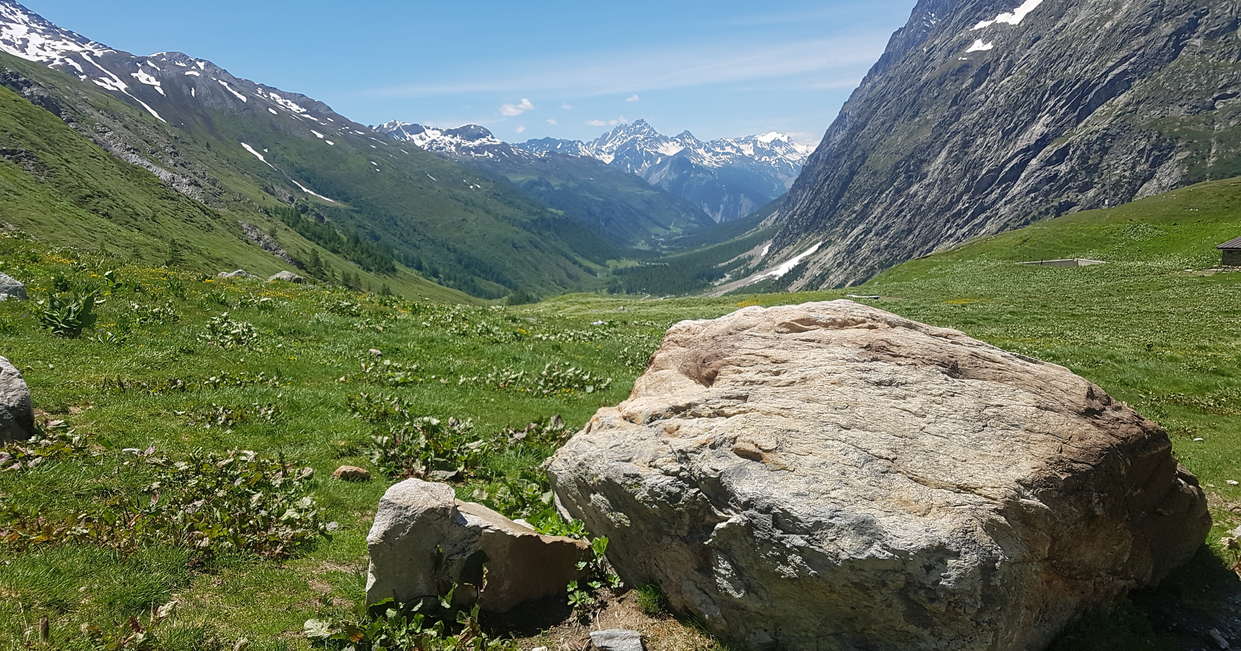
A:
<point x="137" y="497"/>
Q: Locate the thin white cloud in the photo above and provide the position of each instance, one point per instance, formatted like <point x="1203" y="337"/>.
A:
<point x="633" y="98"/>
<point x="566" y="107"/>
<point x="513" y="110"/>
<point x="606" y="123"/>
<point x="521" y="128"/>
<point x="552" y="122"/>
<point x="699" y="64"/>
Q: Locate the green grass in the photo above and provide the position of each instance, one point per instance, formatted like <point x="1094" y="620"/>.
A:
<point x="1162" y="338"/>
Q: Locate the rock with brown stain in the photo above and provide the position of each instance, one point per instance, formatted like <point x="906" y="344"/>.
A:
<point x="424" y="542"/>
<point x="830" y="475"/>
<point x="351" y="473"/>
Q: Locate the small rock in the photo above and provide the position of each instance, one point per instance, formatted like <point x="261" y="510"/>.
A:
<point x="617" y="640"/>
<point x="1199" y="439"/>
<point x="375" y="352"/>
<point x="287" y="277"/>
<point x="11" y="288"/>
<point x="351" y="473"/>
<point x="240" y="274"/>
<point x="1233" y="482"/>
<point x="16" y="408"/>
<point x="424" y="541"/>
<point x="1219" y="639"/>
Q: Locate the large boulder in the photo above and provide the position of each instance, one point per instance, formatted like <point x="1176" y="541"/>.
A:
<point x="239" y="274"/>
<point x="285" y="277"/>
<point x="11" y="288"/>
<point x="16" y="409"/>
<point x="830" y="475"/>
<point x="424" y="542"/>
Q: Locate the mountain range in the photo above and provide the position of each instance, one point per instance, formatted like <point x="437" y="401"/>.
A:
<point x="726" y="179"/>
<point x="985" y="115"/>
<point x="620" y="205"/>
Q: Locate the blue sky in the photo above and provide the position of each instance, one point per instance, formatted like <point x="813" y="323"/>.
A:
<point x="528" y="69"/>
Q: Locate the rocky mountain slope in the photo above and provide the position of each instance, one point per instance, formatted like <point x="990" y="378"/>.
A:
<point x="238" y="146"/>
<point x="984" y="115"/>
<point x="612" y="202"/>
<point x="727" y="178"/>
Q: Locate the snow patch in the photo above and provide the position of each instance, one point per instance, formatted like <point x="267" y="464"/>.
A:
<point x="112" y="82"/>
<point x="257" y="155"/>
<point x="303" y="188"/>
<point x="1014" y="18"/>
<point x="782" y="270"/>
<point x="230" y="89"/>
<point x="147" y="78"/>
<point x="980" y="46"/>
<point x="313" y="193"/>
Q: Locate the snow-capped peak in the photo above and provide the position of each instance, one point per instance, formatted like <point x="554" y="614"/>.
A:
<point x="29" y="36"/>
<point x="467" y="141"/>
<point x="638" y="147"/>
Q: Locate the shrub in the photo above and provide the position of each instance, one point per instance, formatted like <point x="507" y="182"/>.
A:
<point x="68" y="314"/>
<point x="391" y="373"/>
<point x="555" y="379"/>
<point x="378" y="408"/>
<point x="52" y="445"/>
<point x="585" y="595"/>
<point x="428" y="448"/>
<point x="148" y="315"/>
<point x="223" y="417"/>
<point x="227" y="333"/>
<point x="431" y="625"/>
<point x="236" y="502"/>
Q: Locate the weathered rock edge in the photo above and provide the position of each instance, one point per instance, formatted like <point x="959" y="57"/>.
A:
<point x="16" y="407"/>
<point x="830" y="475"/>
<point x="424" y="543"/>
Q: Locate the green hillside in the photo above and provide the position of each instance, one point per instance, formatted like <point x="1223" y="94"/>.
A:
<point x="620" y="205"/>
<point x="457" y="227"/>
<point x="58" y="185"/>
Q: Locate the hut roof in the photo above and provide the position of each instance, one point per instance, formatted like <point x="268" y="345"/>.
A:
<point x="1231" y="244"/>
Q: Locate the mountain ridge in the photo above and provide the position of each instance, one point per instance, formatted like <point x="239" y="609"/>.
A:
<point x="986" y="115"/>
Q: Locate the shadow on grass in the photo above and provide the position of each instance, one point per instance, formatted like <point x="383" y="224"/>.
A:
<point x="1203" y="595"/>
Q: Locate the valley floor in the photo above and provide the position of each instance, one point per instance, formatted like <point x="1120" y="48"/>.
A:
<point x="177" y="365"/>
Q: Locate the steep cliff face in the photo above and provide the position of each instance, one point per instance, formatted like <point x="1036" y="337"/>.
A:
<point x="985" y="115"/>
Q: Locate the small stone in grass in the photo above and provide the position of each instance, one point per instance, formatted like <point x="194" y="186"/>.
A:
<point x="1233" y="482"/>
<point x="617" y="640"/>
<point x="352" y="473"/>
<point x="1199" y="439"/>
<point x="375" y="352"/>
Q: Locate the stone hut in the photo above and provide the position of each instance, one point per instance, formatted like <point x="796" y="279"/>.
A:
<point x="1231" y="251"/>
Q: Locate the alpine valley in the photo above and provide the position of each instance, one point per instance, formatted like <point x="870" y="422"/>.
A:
<point x="238" y="173"/>
<point x="964" y="377"/>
